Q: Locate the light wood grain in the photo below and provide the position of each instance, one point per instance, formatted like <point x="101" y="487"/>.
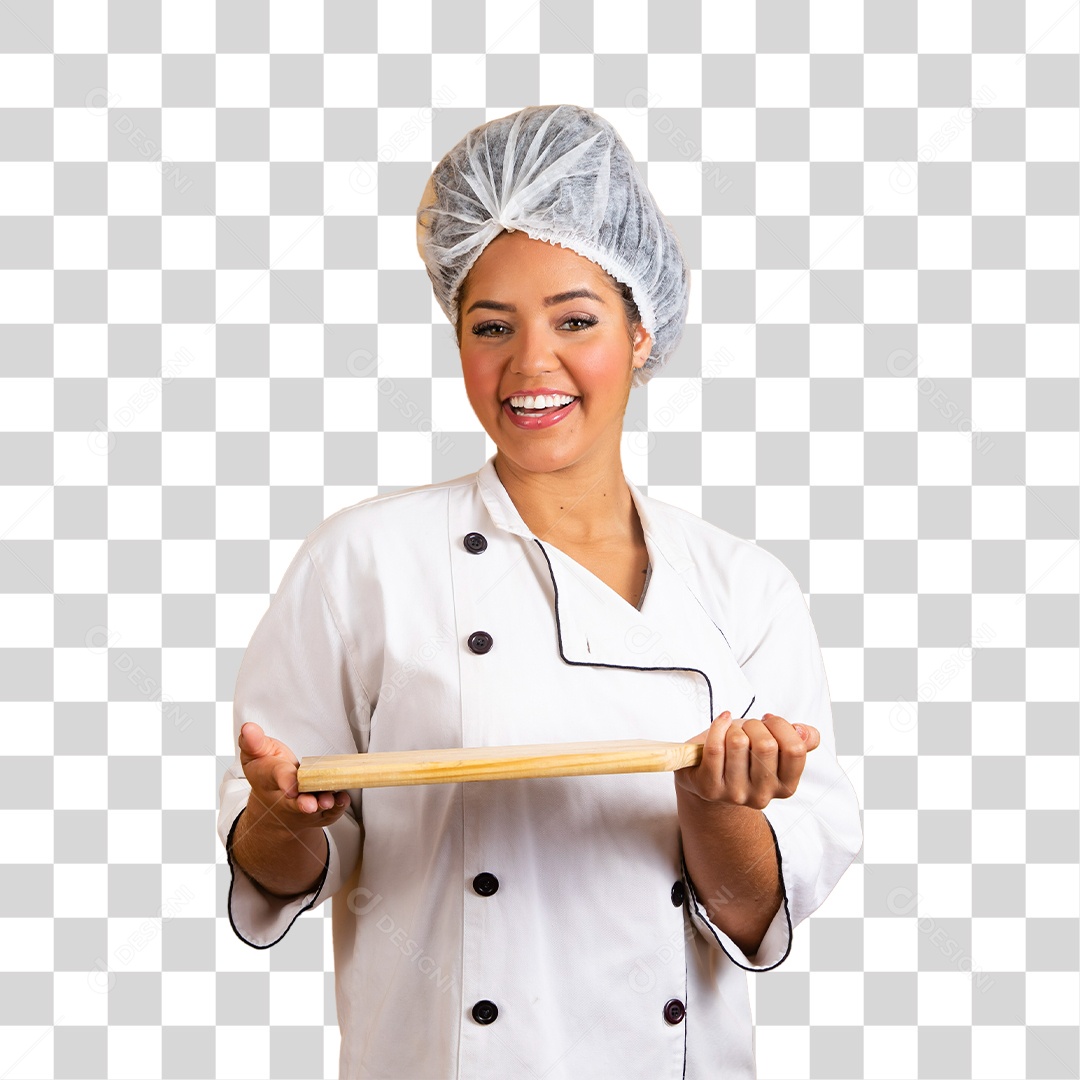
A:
<point x="336" y="772"/>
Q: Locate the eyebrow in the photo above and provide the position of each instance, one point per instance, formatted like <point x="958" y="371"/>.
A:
<point x="549" y="301"/>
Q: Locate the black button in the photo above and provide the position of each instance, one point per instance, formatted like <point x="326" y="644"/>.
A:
<point x="674" y="1011"/>
<point x="678" y="893"/>
<point x="480" y="642"/>
<point x="485" y="884"/>
<point x="485" y="1012"/>
<point x="475" y="542"/>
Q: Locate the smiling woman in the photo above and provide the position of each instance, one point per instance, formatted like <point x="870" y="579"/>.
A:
<point x="590" y="925"/>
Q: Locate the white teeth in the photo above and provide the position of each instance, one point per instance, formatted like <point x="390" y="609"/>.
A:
<point x="544" y="401"/>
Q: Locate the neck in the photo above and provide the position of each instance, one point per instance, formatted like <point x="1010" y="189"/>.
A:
<point x="580" y="504"/>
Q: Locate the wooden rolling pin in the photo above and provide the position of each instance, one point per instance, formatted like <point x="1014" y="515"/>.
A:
<point x="336" y="772"/>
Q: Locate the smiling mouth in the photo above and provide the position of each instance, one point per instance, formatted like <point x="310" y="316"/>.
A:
<point x="539" y="412"/>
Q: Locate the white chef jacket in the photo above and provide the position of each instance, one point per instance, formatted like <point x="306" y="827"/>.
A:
<point x="434" y="617"/>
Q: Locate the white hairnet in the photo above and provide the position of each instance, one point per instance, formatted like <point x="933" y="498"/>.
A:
<point x="559" y="173"/>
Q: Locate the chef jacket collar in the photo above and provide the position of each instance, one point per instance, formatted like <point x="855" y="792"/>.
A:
<point x="506" y="516"/>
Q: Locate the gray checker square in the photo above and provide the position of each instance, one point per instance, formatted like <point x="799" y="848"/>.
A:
<point x="243" y="134"/>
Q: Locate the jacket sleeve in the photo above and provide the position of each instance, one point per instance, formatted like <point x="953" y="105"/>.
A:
<point x="299" y="682"/>
<point x="817" y="832"/>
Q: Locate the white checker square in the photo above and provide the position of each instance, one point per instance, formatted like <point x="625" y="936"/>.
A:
<point x="81" y="891"/>
<point x="998" y="187"/>
<point x="782" y="81"/>
<point x="944" y="457"/>
<point x="296" y="997"/>
<point x="242" y="513"/>
<point x="26" y="81"/>
<point x="890" y="296"/>
<point x="298" y="28"/>
<point x="999" y="78"/>
<point x="676" y="186"/>
<point x="1052" y="566"/>
<point x="1053" y="997"/>
<point x="567" y="76"/>
<point x="680" y="76"/>
<point x="836" y="243"/>
<point x="999" y="944"/>
<point x="188" y="243"/>
<point x="836" y="566"/>
<point x="944" y="26"/>
<point x="80" y="26"/>
<point x="81" y="565"/>
<point x="511" y="28"/>
<point x="997" y="836"/>
<point x="890" y="944"/>
<point x="997" y="296"/>
<point x="135" y="727"/>
<point x="188" y="566"/>
<point x="296" y="134"/>
<point x="81" y="782"/>
<point x="836" y="26"/>
<point x="1052" y="134"/>
<point x="188" y="26"/>
<point x="188" y="134"/>
<point x="243" y="187"/>
<point x="352" y="405"/>
<point x="946" y="889"/>
<point x="998" y="512"/>
<point x="890" y="620"/>
<point x="1051" y="27"/>
<point x="944" y="351"/>
<point x="728" y="243"/>
<point x="187" y="457"/>
<point x="296" y="457"/>
<point x="242" y="80"/>
<point x="623" y="27"/>
<point x="782" y="296"/>
<point x="242" y="1051"/>
<point x="1052" y="674"/>
<point x="998" y="404"/>
<point x="243" y="404"/>
<point x="134" y="81"/>
<point x="351" y="80"/>
<point x="31" y="732"/>
<point x="783" y="511"/>
<point x="406" y="28"/>
<point x="953" y="575"/>
<point x="75" y="667"/>
<point x="890" y="1052"/>
<point x="350" y="188"/>
<point x="134" y="187"/>
<point x="890" y="80"/>
<point x="944" y="242"/>
<point x="395" y="238"/>
<point x="350" y="296"/>
<point x="241" y="296"/>
<point x="727" y="458"/>
<point x="1052" y="242"/>
<point x="27" y="187"/>
<point x="1052" y="890"/>
<point x="945" y="996"/>
<point x="81" y="998"/>
<point x="135" y="618"/>
<point x="134" y="296"/>
<point x="783" y="187"/>
<point x="728" y="134"/>
<point x="134" y="1053"/>
<point x="836" y="134"/>
<point x="837" y="998"/>
<point x="292" y="346"/>
<point x="135" y="837"/>
<point x="189" y="997"/>
<point x="944" y="780"/>
<point x="193" y="671"/>
<point x="296" y="243"/>
<point x="943" y="134"/>
<point x="27" y="406"/>
<point x="80" y="135"/>
<point x="998" y="1052"/>
<point x="1052" y="458"/>
<point x="836" y="458"/>
<point x="889" y="188"/>
<point x="997" y="621"/>
<point x="458" y="81"/>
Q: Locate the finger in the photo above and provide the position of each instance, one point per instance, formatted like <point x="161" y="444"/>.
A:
<point x="737" y="763"/>
<point x="764" y="760"/>
<point x="284" y="778"/>
<point x="792" y="752"/>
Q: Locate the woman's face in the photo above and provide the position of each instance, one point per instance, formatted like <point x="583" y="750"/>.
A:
<point x="521" y="331"/>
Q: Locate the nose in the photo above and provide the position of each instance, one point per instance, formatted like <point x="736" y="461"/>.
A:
<point x="532" y="351"/>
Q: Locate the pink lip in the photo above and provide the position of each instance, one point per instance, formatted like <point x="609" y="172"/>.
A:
<point x="532" y="423"/>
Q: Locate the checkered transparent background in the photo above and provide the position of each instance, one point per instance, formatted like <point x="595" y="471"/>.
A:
<point x="215" y="331"/>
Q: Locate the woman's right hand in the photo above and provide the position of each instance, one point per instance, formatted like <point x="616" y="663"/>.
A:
<point x="270" y="767"/>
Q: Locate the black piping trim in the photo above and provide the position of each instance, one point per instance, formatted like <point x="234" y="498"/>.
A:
<point x="232" y="879"/>
<point x="625" y="667"/>
<point x="708" y="922"/>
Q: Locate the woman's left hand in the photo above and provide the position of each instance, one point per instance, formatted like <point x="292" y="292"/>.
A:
<point x="748" y="762"/>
